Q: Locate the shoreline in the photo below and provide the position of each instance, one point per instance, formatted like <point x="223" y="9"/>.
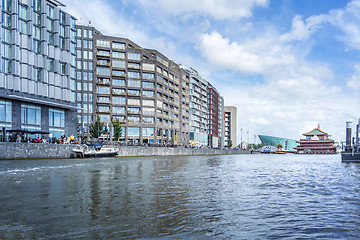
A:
<point x="25" y="151"/>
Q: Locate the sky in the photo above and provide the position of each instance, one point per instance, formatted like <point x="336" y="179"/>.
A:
<point x="287" y="65"/>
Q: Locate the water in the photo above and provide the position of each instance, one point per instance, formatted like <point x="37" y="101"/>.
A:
<point x="203" y="197"/>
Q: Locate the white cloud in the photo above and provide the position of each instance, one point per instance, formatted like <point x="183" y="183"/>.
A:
<point x="253" y="57"/>
<point x="226" y="9"/>
<point x="354" y="81"/>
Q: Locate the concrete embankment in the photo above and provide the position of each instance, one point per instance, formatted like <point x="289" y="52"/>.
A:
<point x="38" y="150"/>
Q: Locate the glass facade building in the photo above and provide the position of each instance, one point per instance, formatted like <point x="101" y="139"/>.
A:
<point x="37" y="70"/>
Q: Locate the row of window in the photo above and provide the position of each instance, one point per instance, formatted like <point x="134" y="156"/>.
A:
<point x="31" y="114"/>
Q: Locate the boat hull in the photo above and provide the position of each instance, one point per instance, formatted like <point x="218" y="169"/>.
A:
<point x="350" y="157"/>
<point x="100" y="155"/>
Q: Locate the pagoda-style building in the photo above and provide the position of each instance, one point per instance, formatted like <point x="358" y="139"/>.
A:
<point x="316" y="142"/>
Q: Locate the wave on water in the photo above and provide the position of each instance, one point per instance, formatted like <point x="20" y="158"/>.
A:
<point x="35" y="169"/>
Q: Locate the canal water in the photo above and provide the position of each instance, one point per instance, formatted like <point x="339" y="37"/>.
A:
<point x="197" y="197"/>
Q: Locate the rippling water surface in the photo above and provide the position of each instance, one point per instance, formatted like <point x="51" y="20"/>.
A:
<point x="203" y="197"/>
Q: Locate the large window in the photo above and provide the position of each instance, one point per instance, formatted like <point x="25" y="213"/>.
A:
<point x="134" y="83"/>
<point x="118" y="82"/>
<point x="133" y="119"/>
<point x="132" y="101"/>
<point x="148" y="76"/>
<point x="118" y="100"/>
<point x="133" y="75"/>
<point x="30" y="114"/>
<point x="134" y="56"/>
<point x="148" y="132"/>
<point x="133" y="110"/>
<point x="148" y="93"/>
<point x="148" y="66"/>
<point x="133" y="92"/>
<point x="103" y="90"/>
<point x="133" y="131"/>
<point x="56" y="118"/>
<point x="118" y="45"/>
<point x="103" y="71"/>
<point x="5" y="111"/>
<point x="118" y="55"/>
<point x="118" y="91"/>
<point x="148" y="85"/>
<point x="148" y="111"/>
<point x="118" y="110"/>
<point x="102" y="43"/>
<point x="148" y="119"/>
<point x="118" y="63"/>
<point x="118" y="73"/>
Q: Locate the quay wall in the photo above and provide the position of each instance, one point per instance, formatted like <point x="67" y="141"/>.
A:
<point x="38" y="151"/>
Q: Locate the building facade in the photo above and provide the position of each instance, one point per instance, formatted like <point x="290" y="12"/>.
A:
<point x="215" y="117"/>
<point x="199" y="111"/>
<point x="230" y="125"/>
<point x="37" y="77"/>
<point x="142" y="88"/>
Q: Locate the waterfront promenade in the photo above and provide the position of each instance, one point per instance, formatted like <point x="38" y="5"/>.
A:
<point x="38" y="150"/>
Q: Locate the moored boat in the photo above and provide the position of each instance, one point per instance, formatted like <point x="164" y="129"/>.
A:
<point x="95" y="150"/>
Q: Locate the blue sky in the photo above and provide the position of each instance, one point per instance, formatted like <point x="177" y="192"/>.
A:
<point x="287" y="65"/>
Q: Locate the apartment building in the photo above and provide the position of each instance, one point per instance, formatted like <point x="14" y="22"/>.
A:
<point x="215" y="117"/>
<point x="199" y="117"/>
<point x="230" y="125"/>
<point x="37" y="74"/>
<point x="118" y="79"/>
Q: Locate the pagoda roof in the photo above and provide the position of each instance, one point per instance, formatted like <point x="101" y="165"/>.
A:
<point x="316" y="131"/>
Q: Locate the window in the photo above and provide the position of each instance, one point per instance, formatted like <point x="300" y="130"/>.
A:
<point x="23" y="12"/>
<point x="90" y="44"/>
<point x="51" y="67"/>
<point x="6" y="19"/>
<point x="104" y="118"/>
<point x="133" y="75"/>
<point x="30" y="114"/>
<point x="85" y="44"/>
<point x="117" y="45"/>
<point x="104" y="81"/>
<point x="23" y="26"/>
<point x="103" y="53"/>
<point x="134" y="110"/>
<point x="118" y="73"/>
<point x="132" y="101"/>
<point x="148" y="119"/>
<point x="133" y="92"/>
<point x="51" y="12"/>
<point x="79" y="32"/>
<point x="118" y="55"/>
<point x="149" y="103"/>
<point x="118" y="100"/>
<point x="85" y="33"/>
<point x="5" y="111"/>
<point x="78" y="43"/>
<point x="134" y="56"/>
<point x="148" y="93"/>
<point x="148" y="132"/>
<point x="148" y="66"/>
<point x="103" y="90"/>
<point x="148" y="111"/>
<point x="148" y="76"/>
<point x="118" y="82"/>
<point x="118" y="110"/>
<point x="118" y="63"/>
<point x="102" y="43"/>
<point x="118" y="91"/>
<point x="134" y="83"/>
<point x="133" y="119"/>
<point x="56" y="117"/>
<point x="134" y="65"/>
<point x="133" y="131"/>
<point x="62" y="17"/>
<point x="104" y="109"/>
<point x="90" y="33"/>
<point x="148" y="85"/>
<point x="103" y="71"/>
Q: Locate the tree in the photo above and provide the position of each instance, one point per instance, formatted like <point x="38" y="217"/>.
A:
<point x="230" y="143"/>
<point x="279" y="146"/>
<point x="117" y="129"/>
<point x="96" y="128"/>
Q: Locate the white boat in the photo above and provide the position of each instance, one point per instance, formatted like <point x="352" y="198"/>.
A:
<point x="85" y="151"/>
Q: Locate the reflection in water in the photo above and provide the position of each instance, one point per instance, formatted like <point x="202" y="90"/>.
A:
<point x="239" y="197"/>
